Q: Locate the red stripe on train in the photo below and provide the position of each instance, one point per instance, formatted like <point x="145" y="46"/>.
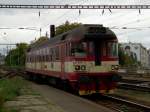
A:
<point x="71" y="76"/>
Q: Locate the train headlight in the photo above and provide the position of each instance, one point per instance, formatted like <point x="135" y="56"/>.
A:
<point x="114" y="67"/>
<point x="83" y="67"/>
<point x="80" y="67"/>
<point x="77" y="67"/>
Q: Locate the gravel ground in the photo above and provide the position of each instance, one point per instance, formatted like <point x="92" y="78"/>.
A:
<point x="43" y="98"/>
<point x="31" y="101"/>
<point x="67" y="101"/>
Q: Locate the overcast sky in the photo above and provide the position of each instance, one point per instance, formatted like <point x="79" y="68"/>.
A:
<point x="17" y="18"/>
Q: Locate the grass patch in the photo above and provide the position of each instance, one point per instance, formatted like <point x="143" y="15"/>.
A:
<point x="9" y="89"/>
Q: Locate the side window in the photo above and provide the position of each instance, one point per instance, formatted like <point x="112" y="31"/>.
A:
<point x="51" y="54"/>
<point x="69" y="46"/>
<point x="26" y="59"/>
<point x="40" y="58"/>
<point x="57" y="53"/>
<point x="66" y="49"/>
<point x="47" y="58"/>
<point x="68" y="53"/>
<point x="30" y="59"/>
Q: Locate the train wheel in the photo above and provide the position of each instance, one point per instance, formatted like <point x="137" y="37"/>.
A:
<point x="59" y="83"/>
<point x="76" y="91"/>
<point x="27" y="75"/>
<point x="65" y="85"/>
<point x="38" y="79"/>
<point x="31" y="77"/>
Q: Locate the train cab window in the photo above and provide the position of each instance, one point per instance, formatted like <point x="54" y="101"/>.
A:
<point x="79" y="49"/>
<point x="112" y="49"/>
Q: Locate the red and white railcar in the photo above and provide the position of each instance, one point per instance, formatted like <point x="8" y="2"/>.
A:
<point x="85" y="59"/>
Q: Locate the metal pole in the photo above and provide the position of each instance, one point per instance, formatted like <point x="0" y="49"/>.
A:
<point x="18" y="57"/>
<point x="10" y="56"/>
<point x="40" y="31"/>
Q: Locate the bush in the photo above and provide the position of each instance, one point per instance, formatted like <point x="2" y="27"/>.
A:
<point x="9" y="88"/>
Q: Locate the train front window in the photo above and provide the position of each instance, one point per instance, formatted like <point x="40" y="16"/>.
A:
<point x="79" y="49"/>
<point x="112" y="49"/>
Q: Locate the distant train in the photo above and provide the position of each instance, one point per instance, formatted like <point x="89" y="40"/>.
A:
<point x="84" y="59"/>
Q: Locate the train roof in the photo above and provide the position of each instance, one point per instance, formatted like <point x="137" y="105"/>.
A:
<point x="87" y="31"/>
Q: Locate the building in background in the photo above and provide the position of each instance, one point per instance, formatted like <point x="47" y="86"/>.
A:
<point x="137" y="51"/>
<point x="149" y="58"/>
<point x="2" y="59"/>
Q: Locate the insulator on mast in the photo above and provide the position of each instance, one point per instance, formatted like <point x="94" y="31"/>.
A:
<point x="110" y="11"/>
<point x="79" y="12"/>
<point x="39" y="13"/>
<point x="102" y="11"/>
<point x="139" y="11"/>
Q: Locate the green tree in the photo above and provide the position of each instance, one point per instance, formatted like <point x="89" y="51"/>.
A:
<point x="125" y="59"/>
<point x="17" y="56"/>
<point x="40" y="40"/>
<point x="66" y="27"/>
<point x="121" y="56"/>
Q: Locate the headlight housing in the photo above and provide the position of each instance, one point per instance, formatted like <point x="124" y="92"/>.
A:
<point x="77" y="67"/>
<point x="80" y="67"/>
<point x="114" y="67"/>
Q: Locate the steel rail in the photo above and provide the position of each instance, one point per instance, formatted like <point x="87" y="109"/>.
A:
<point x="134" y="104"/>
<point x="134" y="87"/>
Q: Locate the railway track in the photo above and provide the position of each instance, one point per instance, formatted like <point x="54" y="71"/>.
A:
<point x="131" y="81"/>
<point x="119" y="104"/>
<point x="137" y="87"/>
<point x="115" y="103"/>
<point x="135" y="105"/>
<point x="8" y="73"/>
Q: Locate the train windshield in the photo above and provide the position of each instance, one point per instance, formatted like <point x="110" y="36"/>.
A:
<point x="106" y="49"/>
<point x="79" y="49"/>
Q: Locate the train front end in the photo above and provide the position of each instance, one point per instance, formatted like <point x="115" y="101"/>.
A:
<point x="95" y="61"/>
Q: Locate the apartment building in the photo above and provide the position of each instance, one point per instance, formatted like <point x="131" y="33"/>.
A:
<point x="139" y="52"/>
